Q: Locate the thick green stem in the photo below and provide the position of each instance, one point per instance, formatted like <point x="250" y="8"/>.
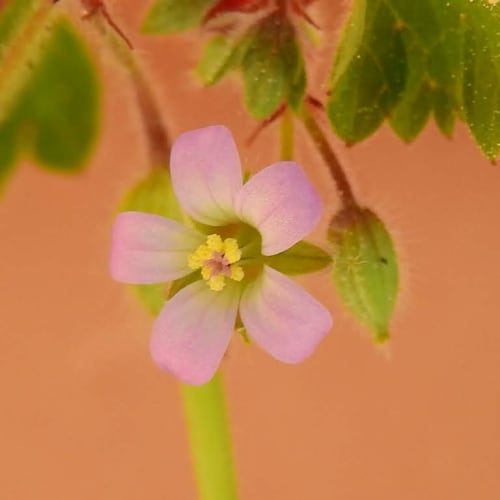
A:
<point x="208" y="431"/>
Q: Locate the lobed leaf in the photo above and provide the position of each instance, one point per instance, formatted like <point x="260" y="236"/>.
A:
<point x="407" y="61"/>
<point x="49" y="93"/>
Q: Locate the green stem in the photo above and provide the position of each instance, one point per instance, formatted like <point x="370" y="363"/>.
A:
<point x="286" y="139"/>
<point x="208" y="431"/>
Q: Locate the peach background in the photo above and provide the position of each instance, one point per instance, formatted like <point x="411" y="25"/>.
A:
<point x="85" y="414"/>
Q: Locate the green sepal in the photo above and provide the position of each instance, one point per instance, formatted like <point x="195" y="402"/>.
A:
<point x="155" y="195"/>
<point x="183" y="282"/>
<point x="13" y="17"/>
<point x="221" y="55"/>
<point x="152" y="297"/>
<point x="273" y="67"/>
<point x="365" y="268"/>
<point x="301" y="258"/>
<point x="171" y="16"/>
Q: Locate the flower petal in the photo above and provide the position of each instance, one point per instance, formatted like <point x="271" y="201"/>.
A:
<point x="148" y="248"/>
<point x="282" y="317"/>
<point x="281" y="203"/>
<point x="206" y="174"/>
<point x="192" y="332"/>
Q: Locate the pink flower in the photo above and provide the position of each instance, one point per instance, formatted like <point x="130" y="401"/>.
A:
<point x="241" y="225"/>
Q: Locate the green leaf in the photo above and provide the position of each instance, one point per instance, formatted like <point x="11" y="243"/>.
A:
<point x="365" y="268"/>
<point x="301" y="258"/>
<point x="58" y="110"/>
<point x="170" y="16"/>
<point x="273" y="67"/>
<point x="49" y="97"/>
<point x="407" y="61"/>
<point x="369" y="72"/>
<point x="155" y="195"/>
<point x="482" y="75"/>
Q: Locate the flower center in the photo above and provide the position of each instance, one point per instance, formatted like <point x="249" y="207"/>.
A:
<point x="216" y="258"/>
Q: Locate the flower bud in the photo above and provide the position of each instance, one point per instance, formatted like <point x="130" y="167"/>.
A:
<point x="365" y="270"/>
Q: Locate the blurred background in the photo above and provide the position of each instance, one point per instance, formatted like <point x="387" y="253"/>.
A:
<point x="86" y="414"/>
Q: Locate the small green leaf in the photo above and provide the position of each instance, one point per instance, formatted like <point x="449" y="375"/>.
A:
<point x="365" y="268"/>
<point x="153" y="194"/>
<point x="273" y="68"/>
<point x="301" y="258"/>
<point x="170" y="16"/>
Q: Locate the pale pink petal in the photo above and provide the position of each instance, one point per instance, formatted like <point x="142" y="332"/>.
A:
<point x="206" y="174"/>
<point x="282" y="318"/>
<point x="147" y="248"/>
<point x="192" y="332"/>
<point x="281" y="203"/>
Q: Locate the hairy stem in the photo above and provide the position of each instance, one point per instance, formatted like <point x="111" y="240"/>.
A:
<point x="154" y="128"/>
<point x="210" y="439"/>
<point x="331" y="160"/>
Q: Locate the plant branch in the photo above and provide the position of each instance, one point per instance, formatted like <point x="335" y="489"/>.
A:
<point x="331" y="160"/>
<point x="154" y="128"/>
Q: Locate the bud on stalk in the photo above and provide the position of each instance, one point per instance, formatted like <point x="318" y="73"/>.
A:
<point x="365" y="270"/>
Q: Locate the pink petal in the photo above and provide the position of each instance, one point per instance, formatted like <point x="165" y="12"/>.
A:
<point x="281" y="203"/>
<point x="282" y="317"/>
<point x="192" y="332"/>
<point x="206" y="174"/>
<point x="147" y="248"/>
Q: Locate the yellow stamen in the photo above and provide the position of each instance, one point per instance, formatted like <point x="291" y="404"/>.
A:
<point x="217" y="283"/>
<point x="216" y="259"/>
<point x="215" y="243"/>
<point x="231" y="250"/>
<point x="237" y="273"/>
